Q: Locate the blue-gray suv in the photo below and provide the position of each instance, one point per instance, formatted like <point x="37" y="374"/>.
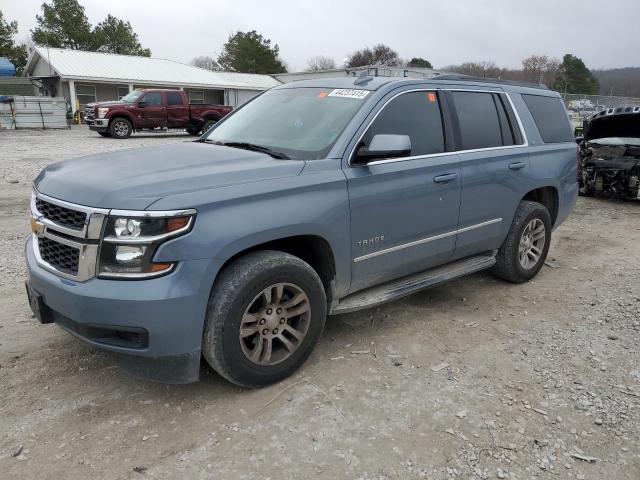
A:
<point x="317" y="197"/>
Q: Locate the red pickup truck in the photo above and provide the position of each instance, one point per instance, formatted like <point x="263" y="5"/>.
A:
<point x="149" y="109"/>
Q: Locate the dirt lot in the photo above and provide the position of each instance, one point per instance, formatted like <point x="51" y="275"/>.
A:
<point x="538" y="377"/>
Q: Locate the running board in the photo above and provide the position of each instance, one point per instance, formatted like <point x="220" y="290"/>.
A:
<point x="407" y="285"/>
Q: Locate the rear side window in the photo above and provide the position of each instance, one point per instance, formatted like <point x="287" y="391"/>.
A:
<point x="174" y="98"/>
<point x="416" y="114"/>
<point x="550" y="117"/>
<point x="479" y="121"/>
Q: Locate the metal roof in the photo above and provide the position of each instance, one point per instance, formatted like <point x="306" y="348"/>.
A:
<point x="96" y="66"/>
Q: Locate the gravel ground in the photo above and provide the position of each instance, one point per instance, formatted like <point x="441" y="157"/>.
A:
<point x="475" y="379"/>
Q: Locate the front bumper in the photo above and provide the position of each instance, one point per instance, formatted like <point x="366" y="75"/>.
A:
<point x="154" y="327"/>
<point x="97" y="124"/>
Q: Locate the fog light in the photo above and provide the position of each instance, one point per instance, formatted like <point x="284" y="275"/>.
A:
<point x="129" y="255"/>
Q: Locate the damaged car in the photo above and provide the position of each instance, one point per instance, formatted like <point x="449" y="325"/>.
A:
<point x="609" y="163"/>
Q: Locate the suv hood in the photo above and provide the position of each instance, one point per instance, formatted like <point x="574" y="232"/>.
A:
<point x="134" y="179"/>
<point x="623" y="122"/>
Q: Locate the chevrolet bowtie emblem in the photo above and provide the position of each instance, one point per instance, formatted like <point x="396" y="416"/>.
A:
<point x="37" y="227"/>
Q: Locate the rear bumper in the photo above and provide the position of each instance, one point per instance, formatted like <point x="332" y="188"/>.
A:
<point x="154" y="327"/>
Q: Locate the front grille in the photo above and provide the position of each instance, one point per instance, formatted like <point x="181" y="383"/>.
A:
<point x="60" y="256"/>
<point x="89" y="112"/>
<point x="61" y="215"/>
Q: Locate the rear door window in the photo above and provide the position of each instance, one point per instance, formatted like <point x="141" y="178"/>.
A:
<point x="478" y="119"/>
<point x="416" y="114"/>
<point x="174" y="98"/>
<point x="550" y="117"/>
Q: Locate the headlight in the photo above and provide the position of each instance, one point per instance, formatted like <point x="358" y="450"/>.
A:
<point x="130" y="242"/>
<point x="102" y="112"/>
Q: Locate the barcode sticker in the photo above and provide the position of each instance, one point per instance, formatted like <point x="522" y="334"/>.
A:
<point x="349" y="93"/>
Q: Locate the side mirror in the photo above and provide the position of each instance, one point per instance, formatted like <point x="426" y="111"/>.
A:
<point x="142" y="104"/>
<point x="384" y="146"/>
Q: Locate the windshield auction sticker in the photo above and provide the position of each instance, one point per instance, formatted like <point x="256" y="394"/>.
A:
<point x="349" y="93"/>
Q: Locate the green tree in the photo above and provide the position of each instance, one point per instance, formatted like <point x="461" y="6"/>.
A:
<point x="378" y="55"/>
<point x="417" y="62"/>
<point x="17" y="54"/>
<point x="116" y="36"/>
<point x="250" y="52"/>
<point x="574" y="77"/>
<point x="63" y="24"/>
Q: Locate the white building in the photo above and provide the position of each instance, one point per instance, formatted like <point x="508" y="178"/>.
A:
<point x="93" y="76"/>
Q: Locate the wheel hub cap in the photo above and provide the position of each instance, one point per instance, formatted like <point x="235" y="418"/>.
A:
<point x="275" y="324"/>
<point x="531" y="244"/>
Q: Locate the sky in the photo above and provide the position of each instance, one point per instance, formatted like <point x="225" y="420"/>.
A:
<point x="444" y="32"/>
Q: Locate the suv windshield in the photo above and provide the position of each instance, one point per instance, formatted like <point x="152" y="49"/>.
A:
<point x="301" y="123"/>
<point x="133" y="96"/>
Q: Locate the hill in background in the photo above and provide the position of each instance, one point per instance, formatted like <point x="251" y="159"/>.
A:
<point x="624" y="82"/>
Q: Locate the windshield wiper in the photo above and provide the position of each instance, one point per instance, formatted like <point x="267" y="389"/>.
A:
<point x="253" y="147"/>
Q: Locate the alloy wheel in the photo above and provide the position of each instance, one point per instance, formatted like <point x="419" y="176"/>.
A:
<point x="121" y="128"/>
<point x="532" y="243"/>
<point x="275" y="324"/>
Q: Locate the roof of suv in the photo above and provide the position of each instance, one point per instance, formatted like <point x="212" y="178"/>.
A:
<point x="375" y="83"/>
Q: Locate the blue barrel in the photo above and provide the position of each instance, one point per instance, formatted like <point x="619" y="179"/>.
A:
<point x="6" y="68"/>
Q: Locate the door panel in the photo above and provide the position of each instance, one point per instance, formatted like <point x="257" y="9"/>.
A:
<point x="495" y="170"/>
<point x="398" y="207"/>
<point x="493" y="182"/>
<point x="154" y="113"/>
<point x="177" y="112"/>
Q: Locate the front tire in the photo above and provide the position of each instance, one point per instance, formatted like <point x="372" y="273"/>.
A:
<point x="104" y="134"/>
<point x="120" y="128"/>
<point x="525" y="249"/>
<point x="265" y="315"/>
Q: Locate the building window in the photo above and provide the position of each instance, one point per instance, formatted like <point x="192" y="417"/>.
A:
<point x="122" y="92"/>
<point x="85" y="94"/>
<point x="196" y="97"/>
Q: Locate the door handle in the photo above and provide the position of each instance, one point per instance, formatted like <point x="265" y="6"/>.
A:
<point x="446" y="178"/>
<point x="516" y="165"/>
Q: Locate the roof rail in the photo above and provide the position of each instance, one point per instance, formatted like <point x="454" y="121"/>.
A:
<point x="470" y="78"/>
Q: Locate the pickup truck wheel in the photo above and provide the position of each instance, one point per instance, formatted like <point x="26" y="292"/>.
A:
<point x="104" y="134"/>
<point x="193" y="131"/>
<point x="207" y="125"/>
<point x="120" y="128"/>
<point x="265" y="314"/>
<point x="525" y="249"/>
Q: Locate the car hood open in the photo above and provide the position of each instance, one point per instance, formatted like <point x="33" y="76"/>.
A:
<point x="622" y="122"/>
<point x="134" y="179"/>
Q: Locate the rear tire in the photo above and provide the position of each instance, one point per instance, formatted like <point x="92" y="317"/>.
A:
<point x="265" y="315"/>
<point x="193" y="131"/>
<point x="525" y="249"/>
<point x="120" y="128"/>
